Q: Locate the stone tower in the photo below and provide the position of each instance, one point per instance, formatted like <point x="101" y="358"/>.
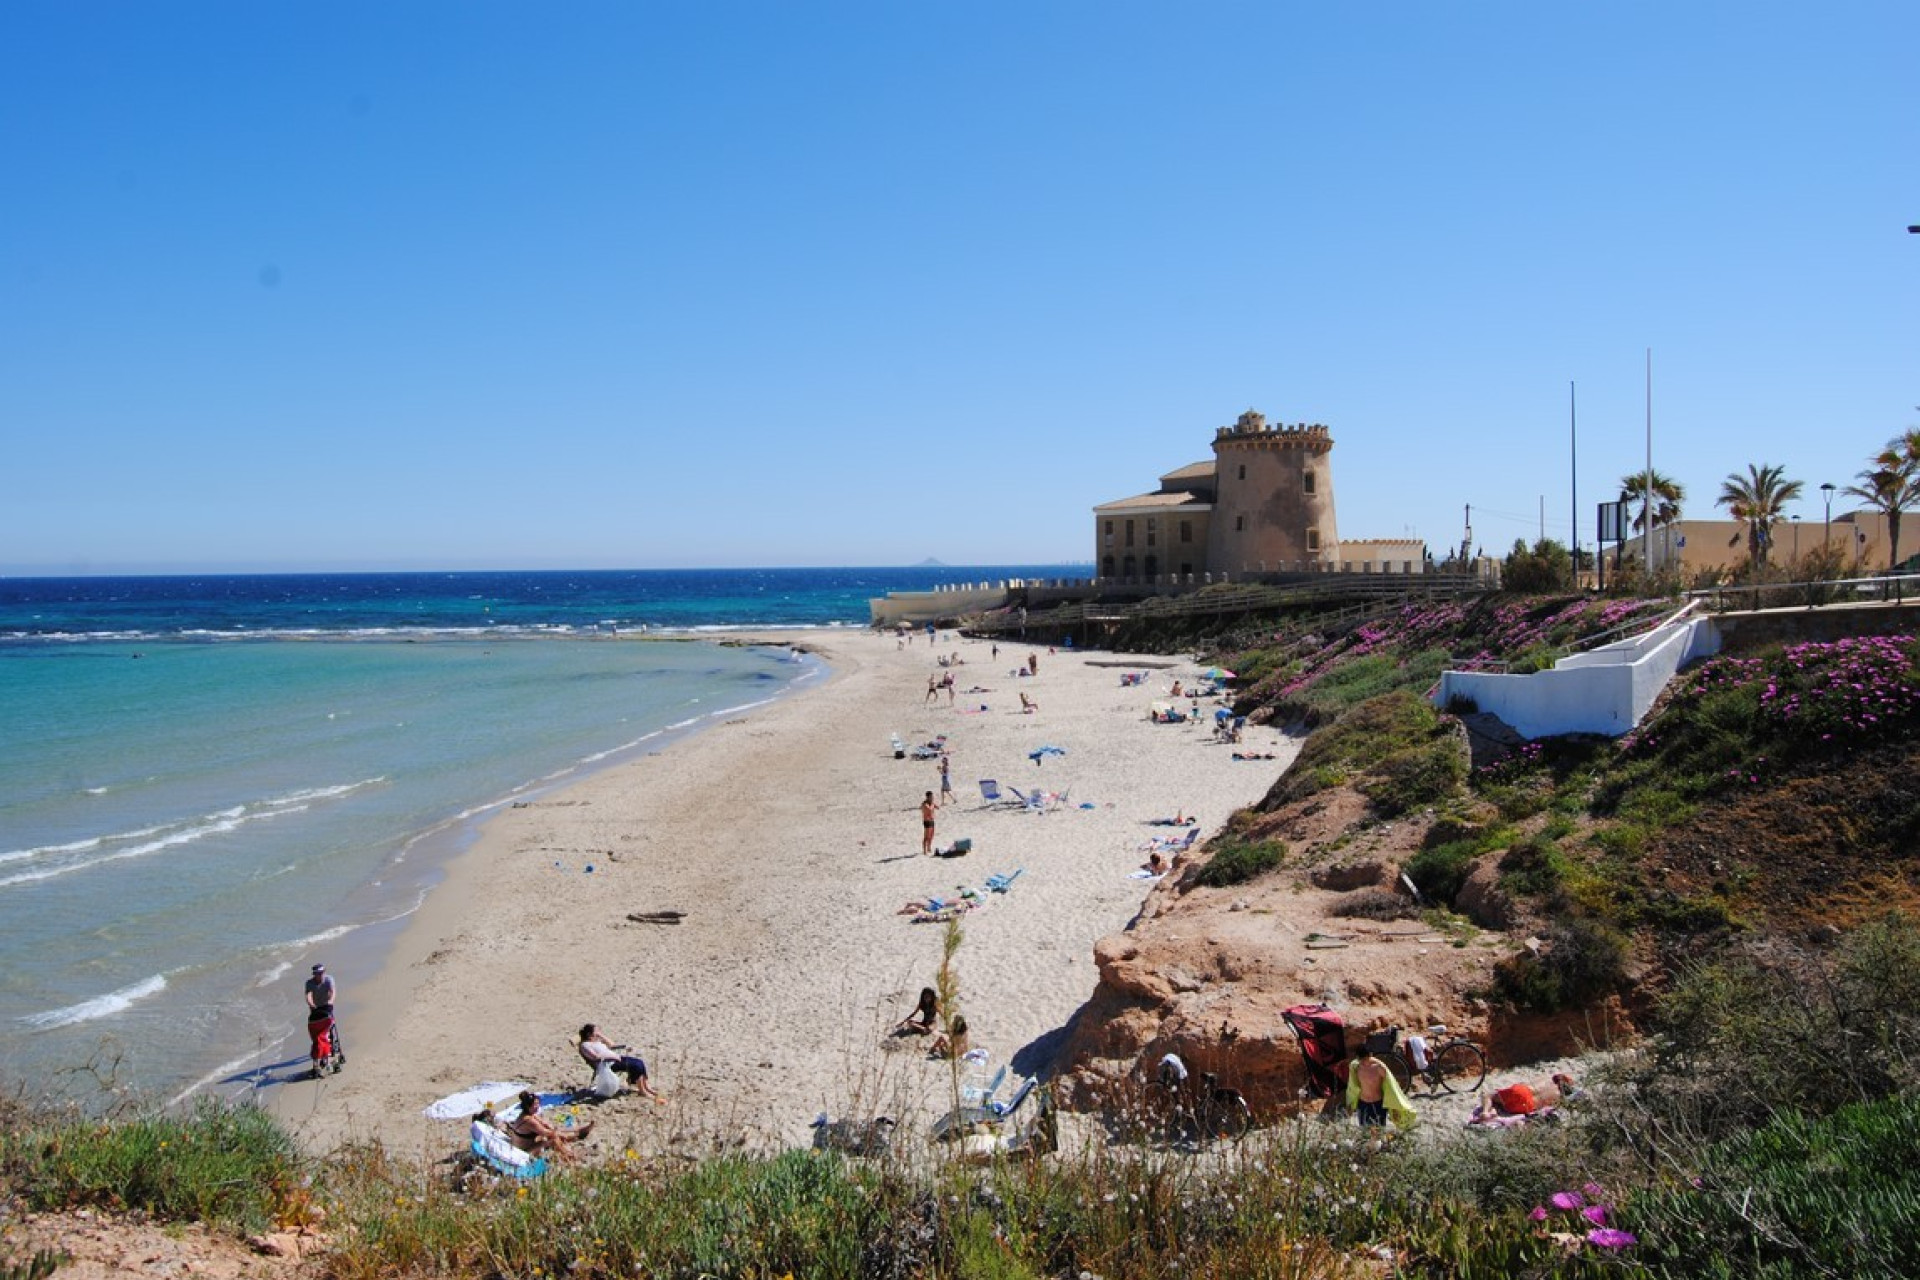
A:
<point x="1273" y="506"/>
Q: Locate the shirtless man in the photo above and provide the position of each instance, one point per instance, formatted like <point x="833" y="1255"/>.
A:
<point x="1369" y="1076"/>
<point x="1374" y="1094"/>
<point x="927" y="806"/>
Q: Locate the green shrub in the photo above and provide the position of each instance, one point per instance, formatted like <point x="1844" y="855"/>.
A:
<point x="1236" y="861"/>
<point x="1804" y="1195"/>
<point x="1533" y="867"/>
<point x="1417" y="777"/>
<point x="230" y="1165"/>
<point x="1583" y="960"/>
<point x="1375" y="904"/>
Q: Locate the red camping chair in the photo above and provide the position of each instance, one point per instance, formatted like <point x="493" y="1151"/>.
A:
<point x="1323" y="1045"/>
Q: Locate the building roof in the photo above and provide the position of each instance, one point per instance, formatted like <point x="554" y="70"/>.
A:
<point x="1188" y="474"/>
<point x="1158" y="502"/>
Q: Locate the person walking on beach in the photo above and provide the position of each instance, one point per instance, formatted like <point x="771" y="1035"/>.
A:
<point x="320" y="992"/>
<point x="927" y="806"/>
<point x="933" y="689"/>
<point x="947" y="684"/>
<point x="946" y="778"/>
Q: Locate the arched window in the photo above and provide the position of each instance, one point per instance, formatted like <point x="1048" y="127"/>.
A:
<point x="1106" y="567"/>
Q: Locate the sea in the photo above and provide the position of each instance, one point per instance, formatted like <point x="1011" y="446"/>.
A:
<point x="210" y="783"/>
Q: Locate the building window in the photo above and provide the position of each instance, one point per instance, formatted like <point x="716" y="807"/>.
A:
<point x="1129" y="538"/>
<point x="1109" y="529"/>
<point x="1128" y="570"/>
<point x="1106" y="567"/>
<point x="1186" y="531"/>
<point x="1239" y="524"/>
<point x="1243" y="471"/>
<point x="1153" y="566"/>
<point x="1152" y="529"/>
<point x="1308" y="477"/>
<point x="1313" y="539"/>
<point x="1186" y="568"/>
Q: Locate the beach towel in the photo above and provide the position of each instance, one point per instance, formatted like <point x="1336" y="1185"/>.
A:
<point x="462" y="1105"/>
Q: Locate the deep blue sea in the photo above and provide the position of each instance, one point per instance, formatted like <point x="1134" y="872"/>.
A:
<point x="208" y="783"/>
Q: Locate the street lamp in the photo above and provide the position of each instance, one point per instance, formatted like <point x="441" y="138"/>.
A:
<point x="1796" y="544"/>
<point x="1826" y="491"/>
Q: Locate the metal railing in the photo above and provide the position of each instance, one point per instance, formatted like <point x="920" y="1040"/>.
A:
<point x="1886" y="588"/>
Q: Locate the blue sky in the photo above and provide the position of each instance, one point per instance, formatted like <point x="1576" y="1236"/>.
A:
<point x="462" y="285"/>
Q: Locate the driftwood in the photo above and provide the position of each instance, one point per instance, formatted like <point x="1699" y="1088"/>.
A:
<point x="656" y="917"/>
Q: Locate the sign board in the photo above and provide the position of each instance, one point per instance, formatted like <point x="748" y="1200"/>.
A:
<point x="1613" y="521"/>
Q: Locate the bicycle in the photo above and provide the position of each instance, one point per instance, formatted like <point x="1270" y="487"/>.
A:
<point x="1198" y="1108"/>
<point x="1454" y="1065"/>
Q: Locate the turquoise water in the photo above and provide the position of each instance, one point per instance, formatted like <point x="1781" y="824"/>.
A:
<point x="186" y="827"/>
<point x="208" y="783"/>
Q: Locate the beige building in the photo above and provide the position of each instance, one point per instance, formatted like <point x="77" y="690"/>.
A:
<point x="1720" y="546"/>
<point x="1263" y="504"/>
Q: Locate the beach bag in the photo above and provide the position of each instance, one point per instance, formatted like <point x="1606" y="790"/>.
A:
<point x="1515" y="1100"/>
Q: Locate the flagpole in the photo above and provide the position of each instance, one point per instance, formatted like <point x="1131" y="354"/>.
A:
<point x="1646" y="545"/>
<point x="1573" y="468"/>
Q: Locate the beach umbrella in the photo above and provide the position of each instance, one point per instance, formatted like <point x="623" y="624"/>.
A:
<point x="1217" y="673"/>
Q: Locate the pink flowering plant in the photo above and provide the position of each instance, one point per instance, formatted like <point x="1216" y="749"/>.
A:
<point x="1583" y="1218"/>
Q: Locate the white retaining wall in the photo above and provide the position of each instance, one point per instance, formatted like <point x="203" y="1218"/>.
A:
<point x="1604" y="691"/>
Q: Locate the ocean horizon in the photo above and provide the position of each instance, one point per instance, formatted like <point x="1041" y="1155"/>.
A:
<point x="212" y="781"/>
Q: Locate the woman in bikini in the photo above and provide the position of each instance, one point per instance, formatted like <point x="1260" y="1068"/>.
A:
<point x="534" y="1133"/>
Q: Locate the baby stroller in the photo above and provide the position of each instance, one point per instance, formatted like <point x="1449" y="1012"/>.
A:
<point x="323" y="1037"/>
<point x="1323" y="1045"/>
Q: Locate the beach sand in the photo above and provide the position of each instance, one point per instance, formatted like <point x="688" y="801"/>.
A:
<point x="790" y="838"/>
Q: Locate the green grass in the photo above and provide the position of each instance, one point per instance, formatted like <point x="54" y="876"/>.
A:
<point x="1235" y="860"/>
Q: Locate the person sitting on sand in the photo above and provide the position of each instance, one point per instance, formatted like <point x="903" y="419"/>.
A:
<point x="920" y="1021"/>
<point x="951" y="1043"/>
<point x="1027" y="705"/>
<point x="1175" y="692"/>
<point x="1155" y="864"/>
<point x="535" y="1134"/>
<point x="595" y="1049"/>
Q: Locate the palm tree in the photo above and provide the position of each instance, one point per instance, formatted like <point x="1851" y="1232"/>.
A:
<point x="1756" y="500"/>
<point x="1892" y="486"/>
<point x="1668" y="494"/>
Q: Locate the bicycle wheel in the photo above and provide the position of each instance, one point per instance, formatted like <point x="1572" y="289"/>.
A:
<point x="1458" y="1067"/>
<point x="1228" y="1115"/>
<point x="1163" y="1112"/>
<point x="1401" y="1068"/>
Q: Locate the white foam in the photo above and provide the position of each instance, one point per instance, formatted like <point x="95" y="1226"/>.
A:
<point x="98" y="1007"/>
<point x="152" y="840"/>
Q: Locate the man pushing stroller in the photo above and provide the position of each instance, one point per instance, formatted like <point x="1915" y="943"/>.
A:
<point x="323" y="1034"/>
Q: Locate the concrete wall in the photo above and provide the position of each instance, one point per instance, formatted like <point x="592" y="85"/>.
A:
<point x="918" y="607"/>
<point x="1606" y="691"/>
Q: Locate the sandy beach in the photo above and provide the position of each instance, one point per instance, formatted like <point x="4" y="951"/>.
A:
<point x="790" y="839"/>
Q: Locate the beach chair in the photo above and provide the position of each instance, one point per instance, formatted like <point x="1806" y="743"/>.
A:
<point x="981" y="1095"/>
<point x="1000" y="882"/>
<point x="605" y="1084"/>
<point x="496" y="1151"/>
<point x="991" y="793"/>
<point x="1007" y="1106"/>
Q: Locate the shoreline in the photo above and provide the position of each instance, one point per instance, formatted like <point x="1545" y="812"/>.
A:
<point x="788" y="836"/>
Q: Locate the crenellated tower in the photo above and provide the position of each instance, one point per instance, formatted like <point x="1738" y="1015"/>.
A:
<point x="1273" y="501"/>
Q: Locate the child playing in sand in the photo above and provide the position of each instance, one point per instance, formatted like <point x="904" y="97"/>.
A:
<point x="952" y="1043"/>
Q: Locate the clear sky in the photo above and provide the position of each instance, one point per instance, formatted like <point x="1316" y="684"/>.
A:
<point x="472" y="285"/>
